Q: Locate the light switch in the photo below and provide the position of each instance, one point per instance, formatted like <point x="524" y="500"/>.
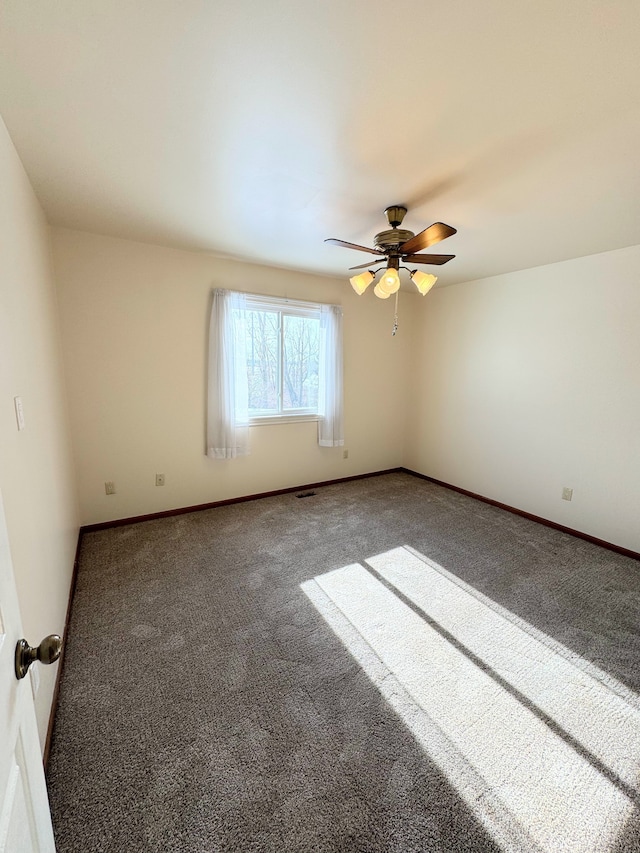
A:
<point x="17" y="401"/>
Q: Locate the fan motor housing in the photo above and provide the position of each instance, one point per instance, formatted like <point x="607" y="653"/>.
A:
<point x="392" y="238"/>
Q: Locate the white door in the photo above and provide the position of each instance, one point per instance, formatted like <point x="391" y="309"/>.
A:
<point x="25" y="822"/>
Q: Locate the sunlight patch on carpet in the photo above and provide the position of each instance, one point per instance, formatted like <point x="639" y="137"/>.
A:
<point x="543" y="747"/>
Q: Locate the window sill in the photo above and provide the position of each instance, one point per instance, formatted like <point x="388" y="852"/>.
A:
<point x="282" y="419"/>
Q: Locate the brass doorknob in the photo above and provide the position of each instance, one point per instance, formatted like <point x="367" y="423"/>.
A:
<point x="47" y="652"/>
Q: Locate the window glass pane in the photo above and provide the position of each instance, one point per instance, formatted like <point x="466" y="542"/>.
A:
<point x="301" y="346"/>
<point x="263" y="344"/>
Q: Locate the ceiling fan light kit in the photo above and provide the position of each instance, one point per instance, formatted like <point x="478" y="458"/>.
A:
<point x="380" y="293"/>
<point x="395" y="246"/>
<point x="361" y="282"/>
<point x="423" y="281"/>
<point x="390" y="281"/>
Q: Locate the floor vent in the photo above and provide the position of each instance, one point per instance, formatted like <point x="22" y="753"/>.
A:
<point x="305" y="494"/>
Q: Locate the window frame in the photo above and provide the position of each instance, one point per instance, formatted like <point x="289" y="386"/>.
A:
<point x="283" y="307"/>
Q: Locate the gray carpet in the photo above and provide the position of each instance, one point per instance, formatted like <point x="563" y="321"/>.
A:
<point x="387" y="666"/>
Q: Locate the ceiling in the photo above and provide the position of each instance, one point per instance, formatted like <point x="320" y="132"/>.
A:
<point x="256" y="130"/>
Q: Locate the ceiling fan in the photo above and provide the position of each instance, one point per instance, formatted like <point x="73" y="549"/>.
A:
<point x="396" y="247"/>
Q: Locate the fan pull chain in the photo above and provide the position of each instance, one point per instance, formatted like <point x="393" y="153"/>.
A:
<point x="395" y="318"/>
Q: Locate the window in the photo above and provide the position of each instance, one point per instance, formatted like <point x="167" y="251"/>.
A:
<point x="282" y="350"/>
<point x="272" y="360"/>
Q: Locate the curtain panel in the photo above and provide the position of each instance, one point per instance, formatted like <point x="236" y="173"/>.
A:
<point x="228" y="394"/>
<point x="330" y="391"/>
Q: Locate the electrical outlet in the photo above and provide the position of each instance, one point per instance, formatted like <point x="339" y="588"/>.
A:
<point x="159" y="479"/>
<point x="109" y="488"/>
<point x="345" y="454"/>
<point x="567" y="494"/>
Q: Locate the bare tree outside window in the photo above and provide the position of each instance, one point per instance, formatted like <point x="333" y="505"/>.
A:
<point x="263" y="360"/>
<point x="301" y="345"/>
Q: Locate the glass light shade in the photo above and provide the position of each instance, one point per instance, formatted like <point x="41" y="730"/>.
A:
<point x="390" y="281"/>
<point x="423" y="281"/>
<point x="361" y="282"/>
<point x="381" y="294"/>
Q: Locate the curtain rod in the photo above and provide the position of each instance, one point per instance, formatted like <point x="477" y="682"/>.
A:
<point x="267" y="296"/>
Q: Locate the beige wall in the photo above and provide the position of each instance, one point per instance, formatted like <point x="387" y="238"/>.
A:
<point x="530" y="382"/>
<point x="135" y="319"/>
<point x="512" y="387"/>
<point x="36" y="477"/>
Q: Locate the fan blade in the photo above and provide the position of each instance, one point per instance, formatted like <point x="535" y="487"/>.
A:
<point x="427" y="259"/>
<point x="355" y="246"/>
<point x="431" y="235"/>
<point x="369" y="264"/>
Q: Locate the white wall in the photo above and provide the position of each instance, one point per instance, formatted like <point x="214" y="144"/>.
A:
<point x="135" y="320"/>
<point x="529" y="382"/>
<point x="36" y="477"/>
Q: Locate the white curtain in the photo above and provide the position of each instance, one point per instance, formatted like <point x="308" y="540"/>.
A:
<point x="330" y="405"/>
<point x="228" y="396"/>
